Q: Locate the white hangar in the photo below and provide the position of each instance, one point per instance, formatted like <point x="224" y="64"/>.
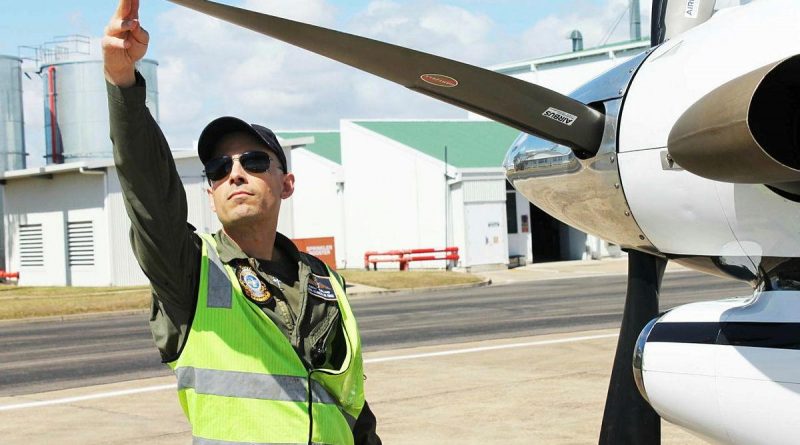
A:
<point x="380" y="185"/>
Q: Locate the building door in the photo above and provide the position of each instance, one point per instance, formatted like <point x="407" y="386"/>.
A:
<point x="486" y="237"/>
<point x="545" y="236"/>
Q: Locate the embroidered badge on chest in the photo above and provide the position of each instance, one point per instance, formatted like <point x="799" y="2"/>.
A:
<point x="252" y="286"/>
<point x="320" y="287"/>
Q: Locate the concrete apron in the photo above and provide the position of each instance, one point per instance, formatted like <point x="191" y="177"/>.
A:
<point x="530" y="390"/>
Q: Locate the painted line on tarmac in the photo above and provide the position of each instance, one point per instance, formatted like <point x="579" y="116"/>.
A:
<point x="126" y="392"/>
<point x="490" y="348"/>
<point x="101" y="395"/>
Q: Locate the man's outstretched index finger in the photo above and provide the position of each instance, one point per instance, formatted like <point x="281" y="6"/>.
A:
<point x="127" y="9"/>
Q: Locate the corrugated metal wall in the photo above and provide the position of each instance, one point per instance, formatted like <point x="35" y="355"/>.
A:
<point x="125" y="271"/>
<point x="486" y="190"/>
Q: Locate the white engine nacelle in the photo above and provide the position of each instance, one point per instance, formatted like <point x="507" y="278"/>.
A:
<point x="729" y="370"/>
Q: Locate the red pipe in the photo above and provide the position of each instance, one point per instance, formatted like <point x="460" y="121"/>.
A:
<point x="4" y="274"/>
<point x="51" y="90"/>
<point x="406" y="256"/>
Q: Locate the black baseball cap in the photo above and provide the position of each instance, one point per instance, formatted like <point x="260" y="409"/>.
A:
<point x="218" y="128"/>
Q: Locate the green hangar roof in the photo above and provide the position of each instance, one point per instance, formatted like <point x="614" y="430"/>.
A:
<point x="327" y="144"/>
<point x="470" y="143"/>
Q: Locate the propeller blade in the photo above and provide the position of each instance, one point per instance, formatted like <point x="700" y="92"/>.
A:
<point x="519" y="104"/>
<point x="670" y="18"/>
<point x="658" y="30"/>
<point x="628" y="418"/>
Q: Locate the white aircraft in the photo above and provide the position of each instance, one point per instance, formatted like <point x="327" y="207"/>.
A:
<point x="689" y="152"/>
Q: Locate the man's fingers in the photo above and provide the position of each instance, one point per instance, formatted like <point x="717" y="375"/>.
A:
<point x="115" y="43"/>
<point x="117" y="28"/>
<point x="140" y="35"/>
<point x="124" y="8"/>
<point x="134" y="10"/>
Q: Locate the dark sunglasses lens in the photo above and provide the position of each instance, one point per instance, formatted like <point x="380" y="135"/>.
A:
<point x="218" y="168"/>
<point x="255" y="161"/>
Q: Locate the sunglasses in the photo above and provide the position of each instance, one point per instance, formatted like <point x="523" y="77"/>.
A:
<point x="252" y="161"/>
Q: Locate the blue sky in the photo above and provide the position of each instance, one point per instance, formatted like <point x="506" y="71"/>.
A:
<point x="208" y="68"/>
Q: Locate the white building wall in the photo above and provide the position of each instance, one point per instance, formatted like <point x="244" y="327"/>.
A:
<point x="457" y="233"/>
<point x="53" y="203"/>
<point x="125" y="270"/>
<point x="319" y="200"/>
<point x="394" y="196"/>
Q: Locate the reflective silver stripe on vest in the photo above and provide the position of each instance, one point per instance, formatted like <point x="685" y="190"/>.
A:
<point x="351" y="421"/>
<point x="282" y="388"/>
<point x="243" y="384"/>
<point x="321" y="395"/>
<point x="220" y="291"/>
<point x="202" y="441"/>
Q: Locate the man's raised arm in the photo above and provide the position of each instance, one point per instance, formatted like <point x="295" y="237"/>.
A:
<point x="154" y="197"/>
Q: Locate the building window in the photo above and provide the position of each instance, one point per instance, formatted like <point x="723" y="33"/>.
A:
<point x="31" y="245"/>
<point x="511" y="208"/>
<point x="80" y="243"/>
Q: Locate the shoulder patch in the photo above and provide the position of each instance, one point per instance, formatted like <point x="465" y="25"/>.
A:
<point x="320" y="287"/>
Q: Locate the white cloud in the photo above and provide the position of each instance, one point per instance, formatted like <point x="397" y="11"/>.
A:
<point x="439" y="28"/>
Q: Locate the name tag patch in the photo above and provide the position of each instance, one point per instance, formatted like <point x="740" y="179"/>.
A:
<point x="321" y="287"/>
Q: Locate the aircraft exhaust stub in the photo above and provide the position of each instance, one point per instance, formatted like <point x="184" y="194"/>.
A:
<point x="746" y="131"/>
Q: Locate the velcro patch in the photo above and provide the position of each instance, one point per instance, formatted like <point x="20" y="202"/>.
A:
<point x="321" y="287"/>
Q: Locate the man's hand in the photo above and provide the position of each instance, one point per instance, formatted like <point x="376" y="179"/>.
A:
<point x="124" y="43"/>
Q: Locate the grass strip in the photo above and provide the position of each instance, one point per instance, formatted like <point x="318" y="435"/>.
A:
<point x="29" y="302"/>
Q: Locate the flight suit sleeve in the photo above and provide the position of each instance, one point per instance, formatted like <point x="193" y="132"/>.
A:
<point x="364" y="431"/>
<point x="165" y="246"/>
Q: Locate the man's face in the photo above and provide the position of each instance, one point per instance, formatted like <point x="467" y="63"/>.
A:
<point x="244" y="198"/>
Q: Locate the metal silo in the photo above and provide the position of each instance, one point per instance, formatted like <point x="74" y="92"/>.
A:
<point x="12" y="133"/>
<point x="76" y="109"/>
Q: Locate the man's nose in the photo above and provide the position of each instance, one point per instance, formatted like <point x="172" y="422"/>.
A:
<point x="237" y="171"/>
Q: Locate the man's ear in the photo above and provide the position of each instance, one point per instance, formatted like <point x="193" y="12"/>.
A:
<point x="211" y="199"/>
<point x="288" y="186"/>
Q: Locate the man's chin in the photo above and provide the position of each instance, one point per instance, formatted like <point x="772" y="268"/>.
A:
<point x="244" y="217"/>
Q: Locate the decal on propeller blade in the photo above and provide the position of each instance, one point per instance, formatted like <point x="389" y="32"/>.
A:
<point x="560" y="116"/>
<point x="439" y="80"/>
<point x="692" y="6"/>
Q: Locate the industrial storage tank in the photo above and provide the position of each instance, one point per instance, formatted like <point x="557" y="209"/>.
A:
<point x="76" y="109"/>
<point x="12" y="132"/>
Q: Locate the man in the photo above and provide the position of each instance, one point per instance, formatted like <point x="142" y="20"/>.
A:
<point x="260" y="336"/>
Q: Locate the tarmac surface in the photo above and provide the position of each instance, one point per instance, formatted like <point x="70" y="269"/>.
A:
<point x="543" y="389"/>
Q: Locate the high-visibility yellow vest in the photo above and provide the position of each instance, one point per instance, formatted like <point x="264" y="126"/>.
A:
<point x="240" y="380"/>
